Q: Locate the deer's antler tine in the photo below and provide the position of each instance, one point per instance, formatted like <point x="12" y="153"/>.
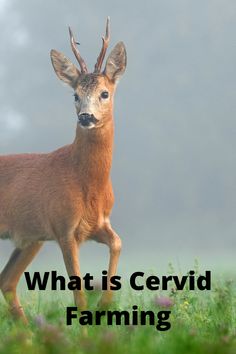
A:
<point x="105" y="42"/>
<point x="81" y="61"/>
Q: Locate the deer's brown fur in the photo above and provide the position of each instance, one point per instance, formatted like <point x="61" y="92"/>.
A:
<point x="65" y="195"/>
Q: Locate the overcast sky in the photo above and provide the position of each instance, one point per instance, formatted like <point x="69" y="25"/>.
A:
<point x="174" y="166"/>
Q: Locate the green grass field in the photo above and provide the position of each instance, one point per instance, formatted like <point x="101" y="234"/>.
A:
<point x="201" y="322"/>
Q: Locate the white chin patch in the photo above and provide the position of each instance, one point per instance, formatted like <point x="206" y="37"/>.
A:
<point x="90" y="126"/>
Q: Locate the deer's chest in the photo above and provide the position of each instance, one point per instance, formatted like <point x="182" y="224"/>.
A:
<point x="89" y="222"/>
<point x="95" y="209"/>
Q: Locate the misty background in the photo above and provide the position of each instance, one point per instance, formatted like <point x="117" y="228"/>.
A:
<point x="174" y="167"/>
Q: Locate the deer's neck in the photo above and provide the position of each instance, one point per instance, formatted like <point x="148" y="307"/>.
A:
<point x="92" y="155"/>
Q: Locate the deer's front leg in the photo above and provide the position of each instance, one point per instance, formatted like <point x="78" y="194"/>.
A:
<point x="108" y="236"/>
<point x="70" y="248"/>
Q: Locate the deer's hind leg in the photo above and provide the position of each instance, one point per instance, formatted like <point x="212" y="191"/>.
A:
<point x="11" y="274"/>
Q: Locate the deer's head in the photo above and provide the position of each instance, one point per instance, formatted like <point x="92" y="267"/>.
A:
<point x="93" y="92"/>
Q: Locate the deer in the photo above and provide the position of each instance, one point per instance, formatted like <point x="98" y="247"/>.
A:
<point x="66" y="195"/>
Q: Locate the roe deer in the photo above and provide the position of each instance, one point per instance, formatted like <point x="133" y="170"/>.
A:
<point x="65" y="195"/>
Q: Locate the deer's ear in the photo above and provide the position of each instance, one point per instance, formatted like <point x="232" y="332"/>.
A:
<point x="64" y="68"/>
<point x="116" y="62"/>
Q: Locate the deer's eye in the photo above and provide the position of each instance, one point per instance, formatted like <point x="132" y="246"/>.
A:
<point x="76" y="97"/>
<point x="105" y="94"/>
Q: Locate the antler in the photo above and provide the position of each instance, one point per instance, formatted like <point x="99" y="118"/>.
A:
<point x="81" y="61"/>
<point x="105" y="43"/>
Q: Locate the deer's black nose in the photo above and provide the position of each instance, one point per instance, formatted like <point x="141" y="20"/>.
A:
<point x="85" y="119"/>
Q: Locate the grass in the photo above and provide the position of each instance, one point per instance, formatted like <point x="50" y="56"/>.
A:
<point x="201" y="322"/>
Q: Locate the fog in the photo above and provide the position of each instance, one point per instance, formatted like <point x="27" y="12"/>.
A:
<point x="174" y="167"/>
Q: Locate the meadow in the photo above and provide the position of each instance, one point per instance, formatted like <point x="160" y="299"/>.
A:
<point x="201" y="322"/>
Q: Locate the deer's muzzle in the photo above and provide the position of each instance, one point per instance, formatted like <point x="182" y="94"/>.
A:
<point x="87" y="120"/>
